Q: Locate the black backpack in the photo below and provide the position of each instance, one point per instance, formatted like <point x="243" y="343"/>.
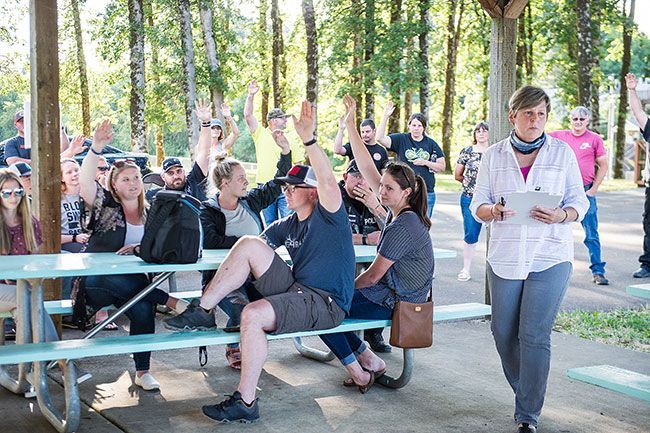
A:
<point x="172" y="233"/>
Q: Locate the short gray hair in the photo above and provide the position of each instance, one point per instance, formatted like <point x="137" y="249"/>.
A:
<point x="581" y="111"/>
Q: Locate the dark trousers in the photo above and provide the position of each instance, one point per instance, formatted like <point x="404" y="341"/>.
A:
<point x="645" y="257"/>
<point x="105" y="290"/>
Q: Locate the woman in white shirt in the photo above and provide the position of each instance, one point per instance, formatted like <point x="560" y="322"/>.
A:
<point x="529" y="265"/>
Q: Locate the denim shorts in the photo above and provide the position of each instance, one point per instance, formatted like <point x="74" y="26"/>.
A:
<point x="471" y="227"/>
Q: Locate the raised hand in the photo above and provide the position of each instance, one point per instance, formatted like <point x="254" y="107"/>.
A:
<point x="225" y="110"/>
<point x="306" y="125"/>
<point x="203" y="110"/>
<point x="253" y="88"/>
<point x="77" y="144"/>
<point x="630" y="81"/>
<point x="390" y="107"/>
<point x="281" y="140"/>
<point x="342" y="121"/>
<point x="103" y="135"/>
<point x="350" y="110"/>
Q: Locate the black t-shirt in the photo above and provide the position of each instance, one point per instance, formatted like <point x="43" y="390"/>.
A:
<point x="377" y="153"/>
<point x="194" y="185"/>
<point x="15" y="146"/>
<point x="408" y="150"/>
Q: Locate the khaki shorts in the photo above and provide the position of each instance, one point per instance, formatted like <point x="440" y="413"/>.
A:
<point x="296" y="306"/>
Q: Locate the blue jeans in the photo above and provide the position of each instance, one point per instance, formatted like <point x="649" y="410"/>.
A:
<point x="233" y="311"/>
<point x="523" y="313"/>
<point x="346" y="345"/>
<point x="471" y="227"/>
<point x="592" y="240"/>
<point x="276" y="210"/>
<point x="431" y="200"/>
<point x="105" y="290"/>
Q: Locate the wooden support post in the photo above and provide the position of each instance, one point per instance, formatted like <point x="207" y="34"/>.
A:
<point x="45" y="126"/>
<point x="502" y="81"/>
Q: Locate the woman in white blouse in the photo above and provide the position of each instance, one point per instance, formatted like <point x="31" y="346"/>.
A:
<point x="529" y="265"/>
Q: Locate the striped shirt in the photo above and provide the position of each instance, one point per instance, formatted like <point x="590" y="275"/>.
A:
<point x="515" y="250"/>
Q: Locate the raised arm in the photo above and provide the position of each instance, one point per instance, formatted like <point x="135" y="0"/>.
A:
<point x="329" y="194"/>
<point x="251" y="121"/>
<point x="338" y="141"/>
<point x="635" y="103"/>
<point x="361" y="155"/>
<point x="76" y="146"/>
<point x="204" y="113"/>
<point x="103" y="136"/>
<point x="234" y="130"/>
<point x="382" y="138"/>
<point x="63" y="138"/>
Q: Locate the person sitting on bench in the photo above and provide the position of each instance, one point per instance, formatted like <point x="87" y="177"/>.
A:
<point x="403" y="268"/>
<point x="299" y="298"/>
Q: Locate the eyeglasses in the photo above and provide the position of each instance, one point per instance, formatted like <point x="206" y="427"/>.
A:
<point x="581" y="119"/>
<point x="293" y="188"/>
<point x="6" y="193"/>
<point x="103" y="168"/>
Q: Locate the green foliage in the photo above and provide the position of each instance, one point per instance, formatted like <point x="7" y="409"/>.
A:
<point x="626" y="328"/>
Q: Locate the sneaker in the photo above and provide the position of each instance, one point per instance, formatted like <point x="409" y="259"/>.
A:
<point x="600" y="280"/>
<point x="194" y="318"/>
<point x="524" y="427"/>
<point x="233" y="409"/>
<point x="376" y="341"/>
<point x="463" y="275"/>
<point x="147" y="382"/>
<point x="641" y="273"/>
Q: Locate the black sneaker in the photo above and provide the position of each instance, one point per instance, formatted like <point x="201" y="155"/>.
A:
<point x="524" y="427"/>
<point x="642" y="272"/>
<point x="600" y="280"/>
<point x="376" y="341"/>
<point x="192" y="319"/>
<point x="233" y="409"/>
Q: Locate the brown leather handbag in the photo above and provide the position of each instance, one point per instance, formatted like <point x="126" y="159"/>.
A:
<point x="412" y="326"/>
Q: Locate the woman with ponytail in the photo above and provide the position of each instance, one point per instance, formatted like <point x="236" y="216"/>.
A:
<point x="403" y="268"/>
<point x="232" y="212"/>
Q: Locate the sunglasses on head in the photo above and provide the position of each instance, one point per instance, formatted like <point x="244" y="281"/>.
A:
<point x="103" y="168"/>
<point x="581" y="119"/>
<point x="119" y="163"/>
<point x="293" y="188"/>
<point x="6" y="193"/>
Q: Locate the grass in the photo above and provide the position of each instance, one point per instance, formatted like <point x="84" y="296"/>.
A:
<point x="624" y="327"/>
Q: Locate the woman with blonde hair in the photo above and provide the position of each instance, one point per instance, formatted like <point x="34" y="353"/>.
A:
<point x="72" y="240"/>
<point x="117" y="218"/>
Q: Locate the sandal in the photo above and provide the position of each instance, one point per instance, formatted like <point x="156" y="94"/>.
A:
<point x="349" y="382"/>
<point x="233" y="355"/>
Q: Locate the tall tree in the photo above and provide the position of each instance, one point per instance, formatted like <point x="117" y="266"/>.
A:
<point x="423" y="39"/>
<point x="215" y="83"/>
<point x="156" y="127"/>
<point x="312" y="50"/>
<point x="279" y="63"/>
<point x="81" y="66"/>
<point x="263" y="53"/>
<point x="585" y="54"/>
<point x="356" y="73"/>
<point x="454" y="28"/>
<point x="136" y="66"/>
<point x="628" y="27"/>
<point x="394" y="70"/>
<point x="525" y="47"/>
<point x="596" y="78"/>
<point x="369" y="40"/>
<point x="189" y="84"/>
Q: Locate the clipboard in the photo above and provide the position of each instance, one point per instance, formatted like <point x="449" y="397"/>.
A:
<point x="524" y="202"/>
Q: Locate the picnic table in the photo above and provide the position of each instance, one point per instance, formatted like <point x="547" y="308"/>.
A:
<point x="29" y="272"/>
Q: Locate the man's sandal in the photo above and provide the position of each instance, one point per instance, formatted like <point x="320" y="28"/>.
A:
<point x="233" y="355"/>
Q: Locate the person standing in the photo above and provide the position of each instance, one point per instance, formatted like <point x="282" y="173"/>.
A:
<point x="528" y="266"/>
<point x="592" y="161"/>
<point x="466" y="171"/>
<point x="416" y="149"/>
<point x="642" y="119"/>
<point x="368" y="133"/>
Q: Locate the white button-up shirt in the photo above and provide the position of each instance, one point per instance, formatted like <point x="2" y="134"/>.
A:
<point x="515" y="250"/>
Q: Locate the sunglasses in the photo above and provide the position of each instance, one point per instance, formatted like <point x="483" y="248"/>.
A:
<point x="103" y="168"/>
<point x="6" y="193"/>
<point x="581" y="119"/>
<point x="293" y="188"/>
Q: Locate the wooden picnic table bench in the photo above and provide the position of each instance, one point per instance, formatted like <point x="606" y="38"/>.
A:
<point x="32" y="350"/>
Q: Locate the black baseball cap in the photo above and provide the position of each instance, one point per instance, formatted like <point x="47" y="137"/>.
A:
<point x="171" y="162"/>
<point x="352" y="167"/>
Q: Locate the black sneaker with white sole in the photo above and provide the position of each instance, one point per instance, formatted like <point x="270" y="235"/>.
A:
<point x="233" y="409"/>
<point x="192" y="319"/>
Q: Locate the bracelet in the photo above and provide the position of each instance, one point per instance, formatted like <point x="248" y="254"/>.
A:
<point x="94" y="151"/>
<point x="205" y="124"/>
<point x="566" y="215"/>
<point x="74" y="238"/>
<point x="310" y="142"/>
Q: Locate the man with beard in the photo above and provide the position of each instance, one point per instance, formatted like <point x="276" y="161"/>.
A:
<point x="367" y="131"/>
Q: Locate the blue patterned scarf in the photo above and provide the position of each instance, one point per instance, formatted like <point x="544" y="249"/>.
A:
<point x="526" y="147"/>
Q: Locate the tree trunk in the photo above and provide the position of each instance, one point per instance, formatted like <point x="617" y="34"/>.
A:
<point x="157" y="129"/>
<point x="595" y="65"/>
<point x="524" y="48"/>
<point x="189" y="85"/>
<point x="408" y="106"/>
<point x="369" y="40"/>
<point x="215" y="83"/>
<point x="312" y="52"/>
<point x="585" y="54"/>
<point x="394" y="87"/>
<point x="263" y="53"/>
<point x="453" y="36"/>
<point x="423" y="39"/>
<point x="502" y="75"/>
<point x="628" y="26"/>
<point x="136" y="65"/>
<point x="81" y="64"/>
<point x="278" y="55"/>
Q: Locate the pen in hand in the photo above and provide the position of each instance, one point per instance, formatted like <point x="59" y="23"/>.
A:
<point x="502" y="202"/>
